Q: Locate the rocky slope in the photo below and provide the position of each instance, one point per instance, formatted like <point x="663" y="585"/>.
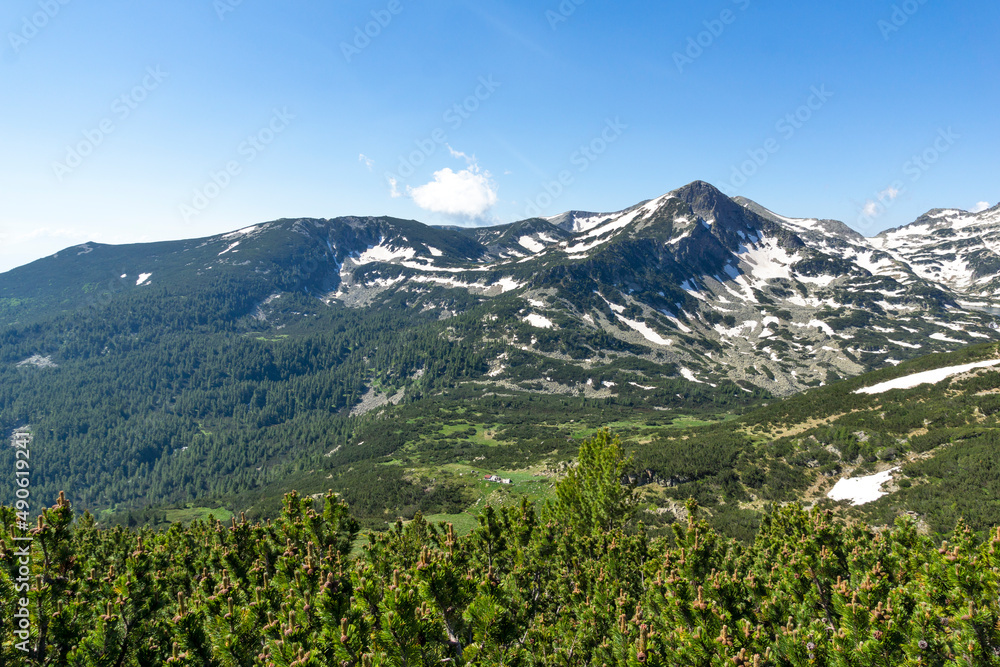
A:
<point x="703" y="287"/>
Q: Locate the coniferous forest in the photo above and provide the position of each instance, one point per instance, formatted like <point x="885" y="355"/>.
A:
<point x="574" y="581"/>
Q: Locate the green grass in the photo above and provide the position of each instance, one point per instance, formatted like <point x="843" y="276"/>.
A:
<point x="524" y="483"/>
<point x="461" y="427"/>
<point x="189" y="514"/>
<point x="633" y="428"/>
<point x="686" y="421"/>
<point x="463" y="522"/>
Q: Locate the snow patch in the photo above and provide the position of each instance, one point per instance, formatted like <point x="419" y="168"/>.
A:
<point x="816" y="324"/>
<point x="689" y="375"/>
<point x="385" y="253"/>
<point x="506" y="284"/>
<point x="641" y="386"/>
<point x="861" y="490"/>
<point x="768" y="260"/>
<point x="539" y="321"/>
<point x="822" y="281"/>
<point x="677" y="323"/>
<point x="944" y="339"/>
<point x="925" y="377"/>
<point x="531" y="244"/>
<point x="428" y="266"/>
<point x="241" y="232"/>
<point x="584" y="247"/>
<point x="614" y="224"/>
<point x="646" y="332"/>
<point x="385" y="283"/>
<point x="865" y="260"/>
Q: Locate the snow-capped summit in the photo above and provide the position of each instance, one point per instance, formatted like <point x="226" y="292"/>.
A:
<point x="709" y="288"/>
<point x="955" y="248"/>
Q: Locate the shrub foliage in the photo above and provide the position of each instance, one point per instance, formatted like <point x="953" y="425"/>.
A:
<point x="528" y="586"/>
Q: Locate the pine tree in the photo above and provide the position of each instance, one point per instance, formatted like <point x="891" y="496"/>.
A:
<point x="592" y="498"/>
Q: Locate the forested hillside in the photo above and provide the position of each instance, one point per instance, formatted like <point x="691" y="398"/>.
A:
<point x="939" y="439"/>
<point x="402" y="365"/>
<point x="148" y="414"/>
<point x="160" y="399"/>
<point x="575" y="582"/>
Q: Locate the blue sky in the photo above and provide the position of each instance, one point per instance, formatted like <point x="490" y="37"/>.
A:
<point x="139" y="121"/>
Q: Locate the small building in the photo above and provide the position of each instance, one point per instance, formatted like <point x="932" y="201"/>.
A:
<point x="497" y="479"/>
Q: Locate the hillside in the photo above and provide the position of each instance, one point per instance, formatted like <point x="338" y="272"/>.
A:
<point x="935" y="444"/>
<point x="522" y="588"/>
<point x="399" y="362"/>
<point x="955" y="248"/>
<point x="707" y="287"/>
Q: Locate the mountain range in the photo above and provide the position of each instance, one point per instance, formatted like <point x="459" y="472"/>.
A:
<point x="231" y="366"/>
<point x="710" y="287"/>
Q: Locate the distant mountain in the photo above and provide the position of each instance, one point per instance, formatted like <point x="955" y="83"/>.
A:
<point x="720" y="288"/>
<point x="954" y="248"/>
<point x="233" y="366"/>
<point x="711" y="287"/>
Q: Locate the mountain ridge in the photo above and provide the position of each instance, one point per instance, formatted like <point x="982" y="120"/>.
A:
<point x="356" y="348"/>
<point x="719" y="287"/>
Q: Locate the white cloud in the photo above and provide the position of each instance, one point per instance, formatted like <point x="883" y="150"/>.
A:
<point x="889" y="193"/>
<point x="367" y="160"/>
<point x="980" y="207"/>
<point x="468" y="193"/>
<point x="394" y="188"/>
<point x="471" y="159"/>
<point x="875" y="207"/>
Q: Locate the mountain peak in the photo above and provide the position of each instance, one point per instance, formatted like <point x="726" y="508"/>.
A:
<point x="945" y="219"/>
<point x="694" y="192"/>
<point x="699" y="185"/>
<point x="707" y="201"/>
<point x="573" y="221"/>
